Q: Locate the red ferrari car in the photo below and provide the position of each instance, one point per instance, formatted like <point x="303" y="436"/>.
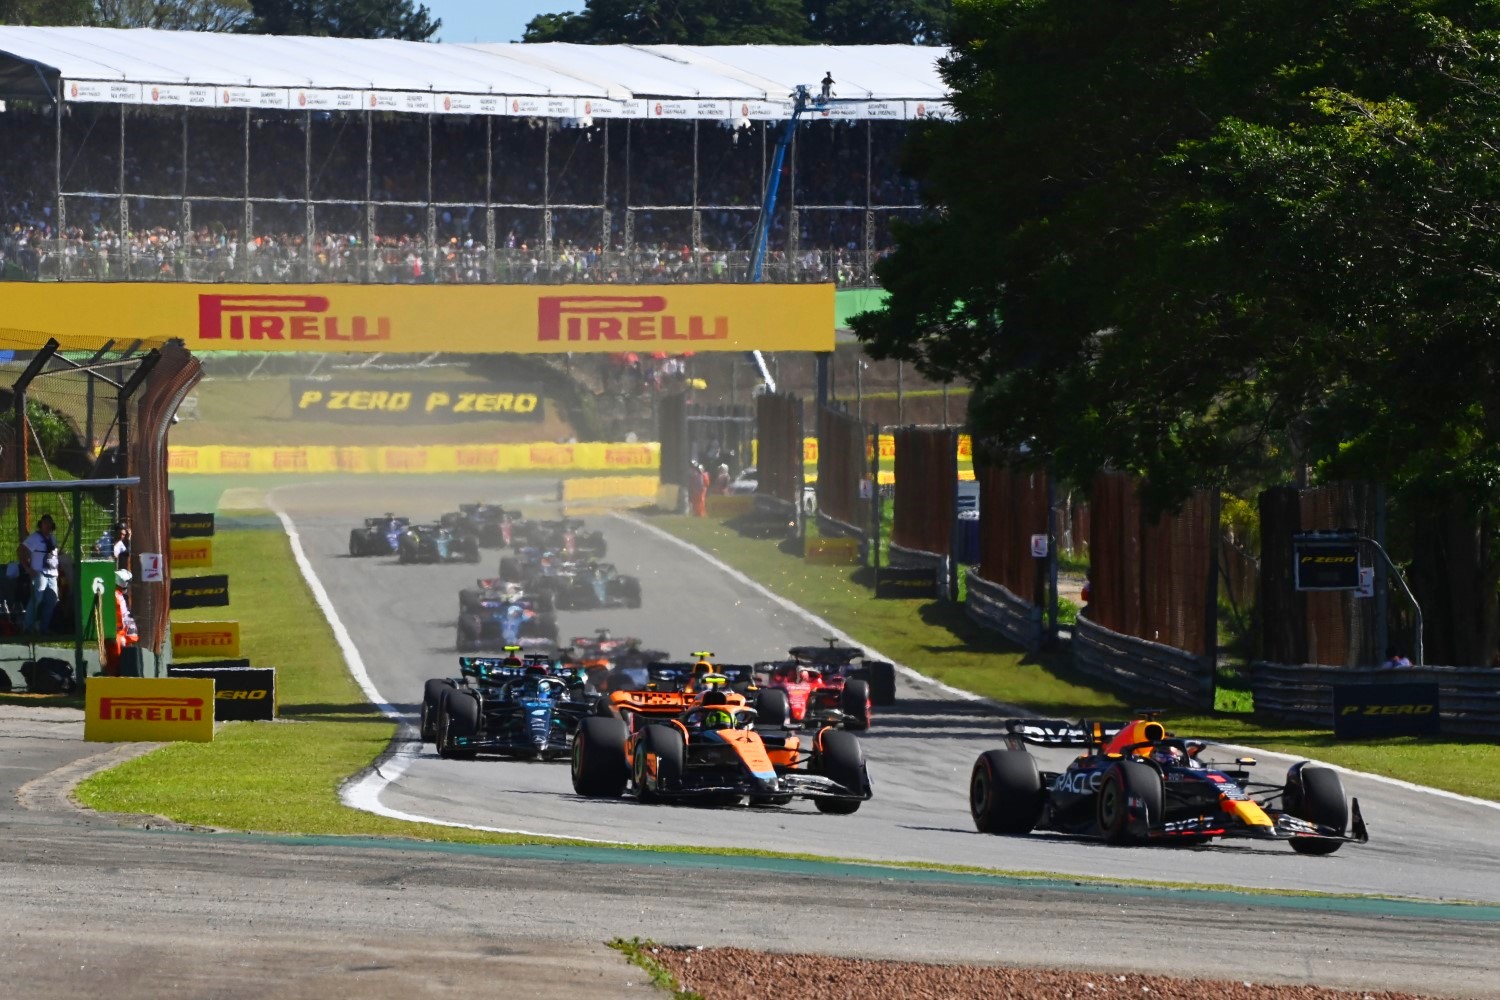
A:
<point x="823" y="686"/>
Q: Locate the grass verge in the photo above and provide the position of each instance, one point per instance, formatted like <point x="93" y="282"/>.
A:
<point x="939" y="640"/>
<point x="642" y="953"/>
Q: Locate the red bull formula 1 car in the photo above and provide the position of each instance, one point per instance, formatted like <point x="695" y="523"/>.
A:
<point x="1137" y="783"/>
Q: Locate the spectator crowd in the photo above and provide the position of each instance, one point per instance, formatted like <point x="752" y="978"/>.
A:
<point x="321" y="209"/>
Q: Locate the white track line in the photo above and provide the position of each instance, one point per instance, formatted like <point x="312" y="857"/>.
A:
<point x="363" y="791"/>
<point x="913" y="675"/>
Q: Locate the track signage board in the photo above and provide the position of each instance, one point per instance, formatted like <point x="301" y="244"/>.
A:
<point x="199" y="592"/>
<point x="364" y="402"/>
<point x="903" y="582"/>
<point x="192" y="525"/>
<point x="1403" y="708"/>
<point x="205" y="639"/>
<point x="1326" y="560"/>
<point x="124" y="709"/>
<point x="466" y="319"/>
<point x="189" y="553"/>
<point x="241" y="694"/>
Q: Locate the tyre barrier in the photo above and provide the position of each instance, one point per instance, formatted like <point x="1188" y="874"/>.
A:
<point x="1303" y="693"/>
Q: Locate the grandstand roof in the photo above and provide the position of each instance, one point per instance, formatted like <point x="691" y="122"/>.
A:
<point x="143" y="66"/>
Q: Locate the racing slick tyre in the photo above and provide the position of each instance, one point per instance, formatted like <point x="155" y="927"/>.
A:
<point x="542" y="604"/>
<point x="356" y="543"/>
<point x="1316" y="794"/>
<point x="1005" y="792"/>
<point x="432" y="701"/>
<point x="667" y="744"/>
<point x="1124" y="781"/>
<point x="882" y="683"/>
<point x="471" y="551"/>
<point x="631" y="591"/>
<point x="854" y="702"/>
<point x="843" y="760"/>
<point x="458" y="717"/>
<point x="600" y="768"/>
<point x="510" y="569"/>
<point x="773" y="710"/>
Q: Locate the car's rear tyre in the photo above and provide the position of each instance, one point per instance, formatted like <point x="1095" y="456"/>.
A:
<point x="843" y="760"/>
<point x="356" y="543"/>
<point x="1317" y="795"/>
<point x="459" y="720"/>
<point x="600" y="767"/>
<point x="632" y="589"/>
<point x="773" y="709"/>
<point x="854" y="702"/>
<point x="1005" y="792"/>
<point x="510" y="569"/>
<point x="667" y="744"/>
<point x="1122" y="782"/>
<point x="882" y="682"/>
<point x="432" y="700"/>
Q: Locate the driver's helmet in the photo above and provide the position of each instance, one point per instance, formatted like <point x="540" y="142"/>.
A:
<point x="1169" y="756"/>
<point x="718" y="718"/>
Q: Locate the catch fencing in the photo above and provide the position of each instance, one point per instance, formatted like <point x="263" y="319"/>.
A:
<point x="843" y="467"/>
<point x="1008" y="587"/>
<point x="1330" y="627"/>
<point x="1303" y="693"/>
<point x="926" y="464"/>
<point x="778" y="425"/>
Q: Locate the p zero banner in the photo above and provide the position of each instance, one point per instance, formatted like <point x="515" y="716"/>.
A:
<point x="199" y="592"/>
<point x="241" y="694"/>
<point x="1368" y="710"/>
<point x="153" y="709"/>
<point x="466" y="319"/>
<point x="220" y="639"/>
<point x="188" y="553"/>
<point x="192" y="525"/>
<point x="589" y="456"/>
<point x="356" y="402"/>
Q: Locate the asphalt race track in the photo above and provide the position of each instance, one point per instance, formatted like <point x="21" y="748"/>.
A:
<point x="920" y="752"/>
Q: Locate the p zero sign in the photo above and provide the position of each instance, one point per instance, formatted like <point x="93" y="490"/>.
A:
<point x="353" y="401"/>
<point x="1406" y="708"/>
<point x="470" y="319"/>
<point x="241" y="693"/>
<point x="1326" y="560"/>
<point x="153" y="709"/>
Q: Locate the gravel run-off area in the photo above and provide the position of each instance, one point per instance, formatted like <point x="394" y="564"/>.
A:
<point x="741" y="974"/>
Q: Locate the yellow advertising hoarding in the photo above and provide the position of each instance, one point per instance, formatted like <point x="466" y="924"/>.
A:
<point x="589" y="456"/>
<point x="188" y="553"/>
<point x="220" y="640"/>
<point x="468" y="319"/>
<point x="152" y="709"/>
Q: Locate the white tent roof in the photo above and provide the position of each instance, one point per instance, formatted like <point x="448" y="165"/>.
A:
<point x="143" y="66"/>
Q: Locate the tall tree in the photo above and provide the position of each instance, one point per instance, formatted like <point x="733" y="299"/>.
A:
<point x="403" y="19"/>
<point x="746" y="22"/>
<point x="177" y="15"/>
<point x="878" y="22"/>
<point x="45" y="12"/>
<point x="1206" y="241"/>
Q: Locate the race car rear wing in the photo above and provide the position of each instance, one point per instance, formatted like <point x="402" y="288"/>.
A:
<point x="488" y="668"/>
<point x="829" y="655"/>
<point x="1063" y="732"/>
<point x="681" y="673"/>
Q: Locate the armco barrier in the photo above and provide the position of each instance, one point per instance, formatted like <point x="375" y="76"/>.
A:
<point x="994" y="607"/>
<point x="1303" y="693"/>
<point x="417" y="459"/>
<point x="1146" y="670"/>
<point x="602" y="487"/>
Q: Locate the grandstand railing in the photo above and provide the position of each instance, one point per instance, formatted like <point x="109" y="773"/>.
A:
<point x="71" y="260"/>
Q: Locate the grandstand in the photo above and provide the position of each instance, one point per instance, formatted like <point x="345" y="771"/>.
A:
<point x="151" y="155"/>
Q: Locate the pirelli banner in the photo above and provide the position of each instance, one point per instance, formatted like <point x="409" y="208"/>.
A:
<point x="118" y="709"/>
<point x="353" y="401"/>
<point x="220" y="639"/>
<point x="190" y="553"/>
<point x="418" y="459"/>
<point x="241" y="693"/>
<point x="467" y="319"/>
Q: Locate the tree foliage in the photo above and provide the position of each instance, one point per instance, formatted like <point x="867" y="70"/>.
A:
<point x="1205" y="241"/>
<point x="178" y="15"/>
<point x="746" y="22"/>
<point x="45" y="12"/>
<point x="403" y="19"/>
